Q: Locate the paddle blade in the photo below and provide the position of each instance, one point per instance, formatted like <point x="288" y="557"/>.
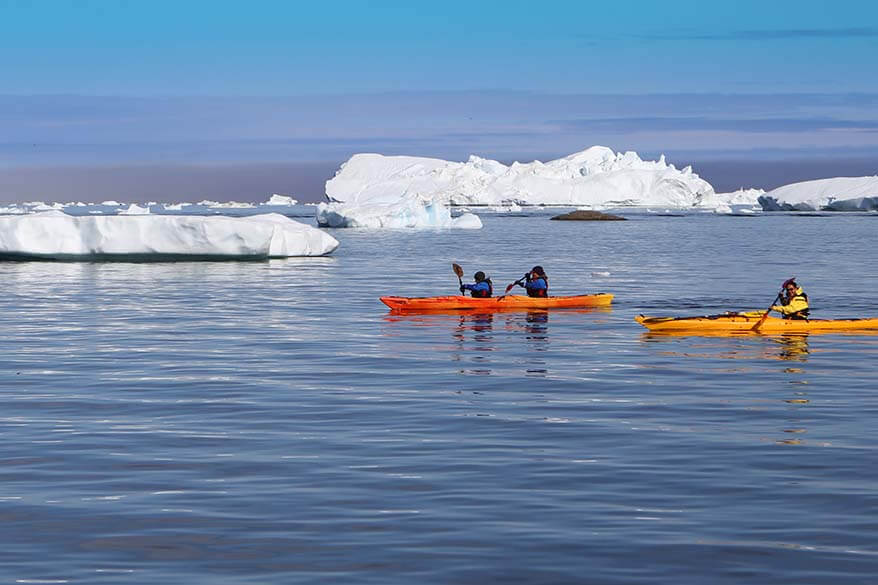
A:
<point x="509" y="287"/>
<point x="457" y="270"/>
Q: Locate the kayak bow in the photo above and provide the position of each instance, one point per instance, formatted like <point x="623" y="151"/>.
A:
<point x="745" y="322"/>
<point x="505" y="302"/>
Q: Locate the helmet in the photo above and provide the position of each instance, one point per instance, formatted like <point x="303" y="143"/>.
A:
<point x="479" y="276"/>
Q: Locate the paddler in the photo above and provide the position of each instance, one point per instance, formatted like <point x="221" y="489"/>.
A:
<point x="794" y="301"/>
<point x="535" y="282"/>
<point x="482" y="289"/>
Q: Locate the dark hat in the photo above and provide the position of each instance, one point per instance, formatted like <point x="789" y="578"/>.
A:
<point x="479" y="276"/>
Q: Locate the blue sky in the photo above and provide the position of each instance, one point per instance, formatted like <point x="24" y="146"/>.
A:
<point x="110" y="83"/>
<point x="161" y="47"/>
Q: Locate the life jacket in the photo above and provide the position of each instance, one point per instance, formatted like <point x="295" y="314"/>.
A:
<point x="482" y="294"/>
<point x="538" y="292"/>
<point x="802" y="313"/>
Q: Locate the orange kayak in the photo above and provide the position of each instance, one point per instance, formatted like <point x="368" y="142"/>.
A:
<point x="745" y="323"/>
<point x="496" y="303"/>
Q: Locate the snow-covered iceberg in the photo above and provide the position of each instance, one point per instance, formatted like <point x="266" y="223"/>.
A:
<point x="741" y="197"/>
<point x="56" y="235"/>
<point x="135" y="209"/>
<point x="595" y="177"/>
<point x="837" y="194"/>
<point x="403" y="213"/>
<point x="278" y="199"/>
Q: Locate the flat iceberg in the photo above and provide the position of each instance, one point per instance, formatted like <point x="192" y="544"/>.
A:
<point x="837" y="194"/>
<point x="58" y="236"/>
<point x="278" y="199"/>
<point x="403" y="213"/>
<point x="595" y="177"/>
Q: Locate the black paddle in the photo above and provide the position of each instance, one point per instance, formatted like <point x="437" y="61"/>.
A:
<point x="765" y="315"/>
<point x="458" y="271"/>
<point x="518" y="282"/>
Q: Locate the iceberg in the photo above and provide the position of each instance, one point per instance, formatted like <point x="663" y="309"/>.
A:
<point x="57" y="236"/>
<point x="232" y="205"/>
<point x="277" y="199"/>
<point x="741" y="197"/>
<point x="135" y="209"/>
<point x="404" y="213"/>
<point x="836" y="194"/>
<point x="595" y="177"/>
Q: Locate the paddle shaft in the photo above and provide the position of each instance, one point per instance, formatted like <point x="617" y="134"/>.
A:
<point x="518" y="282"/>
<point x="767" y="311"/>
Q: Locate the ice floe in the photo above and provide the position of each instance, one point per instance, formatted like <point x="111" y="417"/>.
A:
<point x="836" y="194"/>
<point x="404" y="213"/>
<point x="56" y="235"/>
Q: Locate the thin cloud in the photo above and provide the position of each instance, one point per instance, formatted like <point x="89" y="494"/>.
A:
<point x="692" y="124"/>
<point x="775" y="34"/>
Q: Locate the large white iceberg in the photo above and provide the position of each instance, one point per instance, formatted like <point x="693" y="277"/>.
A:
<point x="595" y="177"/>
<point x="837" y="194"/>
<point x="56" y="235"/>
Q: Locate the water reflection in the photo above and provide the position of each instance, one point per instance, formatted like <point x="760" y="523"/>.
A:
<point x="485" y="339"/>
<point x="794" y="428"/>
<point x="792" y="350"/>
<point x="793" y="347"/>
<point x="475" y="340"/>
<point x="756" y="346"/>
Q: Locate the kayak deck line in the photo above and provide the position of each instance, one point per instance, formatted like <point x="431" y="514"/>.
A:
<point x="747" y="322"/>
<point x="505" y="302"/>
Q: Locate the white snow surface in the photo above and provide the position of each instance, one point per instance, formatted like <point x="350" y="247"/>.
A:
<point x="56" y="235"/>
<point x="836" y="194"/>
<point x="595" y="177"/>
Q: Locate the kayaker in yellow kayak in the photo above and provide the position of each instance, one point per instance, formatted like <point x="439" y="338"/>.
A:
<point x="482" y="289"/>
<point x="794" y="301"/>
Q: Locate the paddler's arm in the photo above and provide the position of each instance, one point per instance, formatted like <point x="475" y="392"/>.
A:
<point x="796" y="305"/>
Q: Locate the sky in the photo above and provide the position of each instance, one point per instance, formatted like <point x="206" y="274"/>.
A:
<point x="110" y="85"/>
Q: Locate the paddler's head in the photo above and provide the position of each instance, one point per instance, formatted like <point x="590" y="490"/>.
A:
<point x="538" y="270"/>
<point x="479" y="276"/>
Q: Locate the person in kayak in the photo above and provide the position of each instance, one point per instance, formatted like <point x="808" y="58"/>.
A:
<point x="535" y="282"/>
<point x="482" y="289"/>
<point x="794" y="301"/>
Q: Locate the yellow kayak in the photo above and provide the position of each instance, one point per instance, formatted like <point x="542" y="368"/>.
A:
<point x="747" y="323"/>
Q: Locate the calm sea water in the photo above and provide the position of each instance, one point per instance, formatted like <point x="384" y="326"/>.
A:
<point x="272" y="422"/>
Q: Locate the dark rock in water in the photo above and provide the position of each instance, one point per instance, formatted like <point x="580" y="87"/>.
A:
<point x="583" y="215"/>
